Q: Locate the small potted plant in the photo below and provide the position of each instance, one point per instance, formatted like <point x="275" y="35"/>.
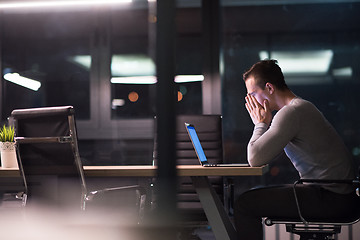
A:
<point x="7" y="147"/>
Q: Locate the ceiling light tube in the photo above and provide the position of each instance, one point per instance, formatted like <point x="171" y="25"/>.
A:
<point x="37" y="4"/>
<point x="301" y="62"/>
<point x="134" y="80"/>
<point x="189" y="78"/>
<point x="153" y="80"/>
<point x="22" y="81"/>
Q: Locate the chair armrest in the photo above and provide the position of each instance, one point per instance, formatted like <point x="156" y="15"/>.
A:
<point x="327" y="181"/>
<point x="61" y="139"/>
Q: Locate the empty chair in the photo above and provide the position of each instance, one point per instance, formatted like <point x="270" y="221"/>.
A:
<point x="209" y="130"/>
<point x="49" y="160"/>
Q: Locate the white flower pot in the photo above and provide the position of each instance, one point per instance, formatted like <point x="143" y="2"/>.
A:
<point x="8" y="155"/>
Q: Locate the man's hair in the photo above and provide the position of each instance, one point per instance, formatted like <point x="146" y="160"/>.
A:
<point x="266" y="71"/>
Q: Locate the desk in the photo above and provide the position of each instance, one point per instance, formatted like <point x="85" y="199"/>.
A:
<point x="214" y="210"/>
<point x="182" y="170"/>
<point x="150" y="171"/>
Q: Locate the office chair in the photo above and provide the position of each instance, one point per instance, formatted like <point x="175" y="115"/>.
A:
<point x="319" y="229"/>
<point x="209" y="130"/>
<point x="49" y="160"/>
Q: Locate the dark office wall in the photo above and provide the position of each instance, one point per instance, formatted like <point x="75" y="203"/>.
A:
<point x="42" y="38"/>
<point x="247" y="30"/>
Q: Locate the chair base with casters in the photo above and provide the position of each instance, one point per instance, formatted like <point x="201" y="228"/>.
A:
<point x="312" y="230"/>
<point x="316" y="230"/>
<point x="109" y="197"/>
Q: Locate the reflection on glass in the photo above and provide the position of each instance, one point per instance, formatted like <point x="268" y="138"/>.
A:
<point x="133" y="87"/>
<point x="43" y="50"/>
<point x="22" y="81"/>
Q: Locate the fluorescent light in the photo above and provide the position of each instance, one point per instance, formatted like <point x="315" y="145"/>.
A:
<point x="83" y="61"/>
<point x="37" y="4"/>
<point x="117" y="103"/>
<point x="153" y="80"/>
<point x="22" y="81"/>
<point x="315" y="62"/>
<point x="132" y="65"/>
<point x="343" y="72"/>
<point x="189" y="78"/>
<point x="122" y="64"/>
<point x="134" y="80"/>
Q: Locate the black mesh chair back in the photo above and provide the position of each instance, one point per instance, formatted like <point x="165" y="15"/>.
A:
<point x="48" y="154"/>
<point x="209" y="130"/>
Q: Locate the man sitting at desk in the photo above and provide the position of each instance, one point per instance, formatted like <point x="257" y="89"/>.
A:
<point x="310" y="142"/>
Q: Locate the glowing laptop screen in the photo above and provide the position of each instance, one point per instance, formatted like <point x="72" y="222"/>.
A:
<point x="196" y="143"/>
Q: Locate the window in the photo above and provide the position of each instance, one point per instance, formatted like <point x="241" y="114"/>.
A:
<point x="45" y="47"/>
<point x="324" y="35"/>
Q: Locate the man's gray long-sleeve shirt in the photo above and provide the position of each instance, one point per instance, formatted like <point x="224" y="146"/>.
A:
<point x="310" y="142"/>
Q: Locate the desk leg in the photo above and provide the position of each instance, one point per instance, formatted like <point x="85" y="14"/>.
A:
<point x="214" y="209"/>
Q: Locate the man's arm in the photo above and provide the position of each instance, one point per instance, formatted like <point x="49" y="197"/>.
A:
<point x="268" y="142"/>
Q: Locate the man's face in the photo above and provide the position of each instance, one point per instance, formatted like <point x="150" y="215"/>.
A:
<point x="256" y="91"/>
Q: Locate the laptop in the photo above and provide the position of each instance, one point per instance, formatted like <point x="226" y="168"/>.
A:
<point x="200" y="151"/>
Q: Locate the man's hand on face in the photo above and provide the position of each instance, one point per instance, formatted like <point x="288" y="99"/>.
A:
<point x="258" y="113"/>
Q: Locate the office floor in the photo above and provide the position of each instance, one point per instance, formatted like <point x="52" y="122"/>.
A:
<point x="33" y="221"/>
<point x="198" y="233"/>
<point x="204" y="234"/>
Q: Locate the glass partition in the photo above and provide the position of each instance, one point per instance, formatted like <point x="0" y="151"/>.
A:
<point x="316" y="45"/>
<point x="89" y="57"/>
<point x="133" y="67"/>
<point x="45" y="61"/>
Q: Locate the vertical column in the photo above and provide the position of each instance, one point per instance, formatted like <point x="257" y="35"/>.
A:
<point x="165" y="114"/>
<point x="103" y="35"/>
<point x="2" y="92"/>
<point x="212" y="57"/>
